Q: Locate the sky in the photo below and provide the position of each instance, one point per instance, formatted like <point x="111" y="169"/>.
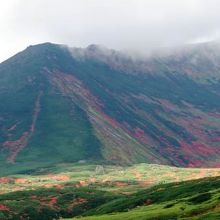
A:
<point x="137" y="25"/>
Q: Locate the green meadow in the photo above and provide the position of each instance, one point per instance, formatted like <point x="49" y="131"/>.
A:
<point x="91" y="191"/>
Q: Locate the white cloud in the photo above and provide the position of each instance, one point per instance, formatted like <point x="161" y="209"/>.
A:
<point x="119" y="24"/>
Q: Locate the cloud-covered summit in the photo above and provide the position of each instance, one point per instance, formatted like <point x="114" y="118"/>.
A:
<point x="119" y="24"/>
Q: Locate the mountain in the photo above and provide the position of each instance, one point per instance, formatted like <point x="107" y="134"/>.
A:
<point x="63" y="105"/>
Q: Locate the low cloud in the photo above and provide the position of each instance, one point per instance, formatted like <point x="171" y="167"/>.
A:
<point x="119" y="24"/>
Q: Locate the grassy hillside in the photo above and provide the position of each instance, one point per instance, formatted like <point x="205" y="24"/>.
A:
<point x="187" y="200"/>
<point x="103" y="177"/>
<point x="110" y="192"/>
<point x="39" y="127"/>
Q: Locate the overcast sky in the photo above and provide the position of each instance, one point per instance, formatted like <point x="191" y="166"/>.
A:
<point x="118" y="24"/>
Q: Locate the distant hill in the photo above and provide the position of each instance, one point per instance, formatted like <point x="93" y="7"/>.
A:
<point x="60" y="104"/>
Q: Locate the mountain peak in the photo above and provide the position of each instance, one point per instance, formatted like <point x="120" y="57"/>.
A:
<point x="60" y="104"/>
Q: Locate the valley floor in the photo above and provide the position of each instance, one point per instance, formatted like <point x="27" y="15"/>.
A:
<point x="142" y="191"/>
<point x="104" y="177"/>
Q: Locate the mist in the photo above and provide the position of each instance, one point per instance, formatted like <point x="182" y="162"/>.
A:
<point x="133" y="25"/>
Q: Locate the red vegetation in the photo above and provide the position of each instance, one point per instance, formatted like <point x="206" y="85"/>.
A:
<point x="110" y="120"/>
<point x="4" y="208"/>
<point x="59" y="177"/>
<point x="215" y="139"/>
<point x="21" y="181"/>
<point x="53" y="201"/>
<point x="69" y="85"/>
<point x="167" y="104"/>
<point x="6" y="180"/>
<point x="202" y="149"/>
<point x="16" y="146"/>
<point x="217" y="165"/>
<point x="139" y="133"/>
<point x="199" y="125"/>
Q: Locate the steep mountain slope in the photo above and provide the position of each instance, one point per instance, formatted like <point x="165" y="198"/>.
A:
<point x="38" y="124"/>
<point x="64" y="105"/>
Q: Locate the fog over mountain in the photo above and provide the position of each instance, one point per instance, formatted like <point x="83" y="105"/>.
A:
<point x="123" y="25"/>
<point x="109" y="109"/>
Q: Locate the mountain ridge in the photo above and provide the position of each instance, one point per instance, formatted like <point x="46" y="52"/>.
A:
<point x="98" y="108"/>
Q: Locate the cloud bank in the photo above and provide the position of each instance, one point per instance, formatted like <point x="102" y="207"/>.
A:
<point x="120" y="24"/>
